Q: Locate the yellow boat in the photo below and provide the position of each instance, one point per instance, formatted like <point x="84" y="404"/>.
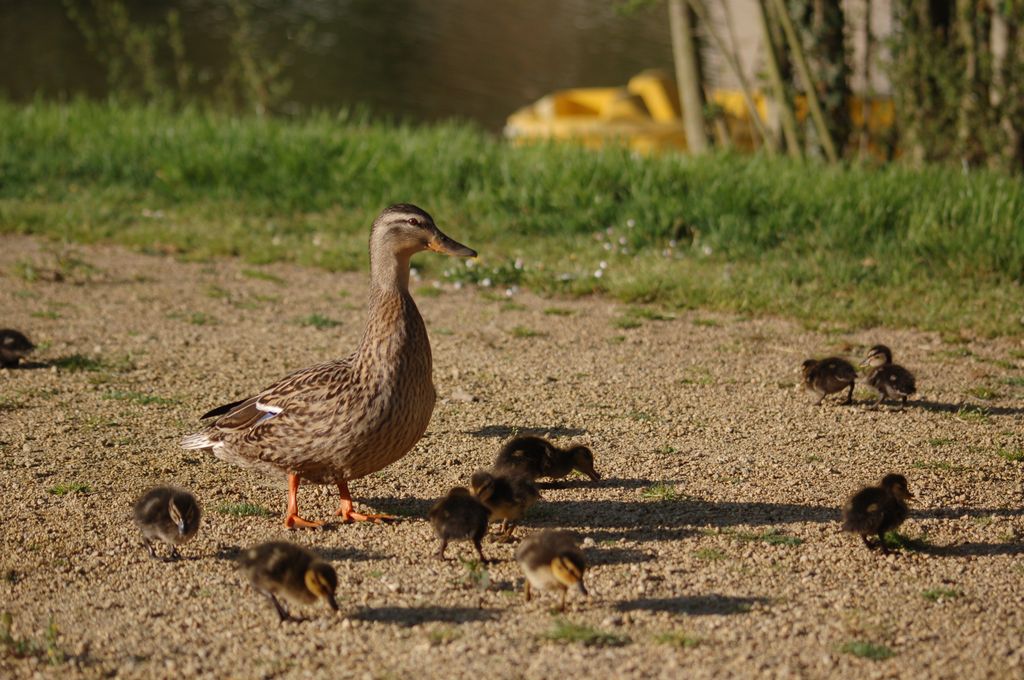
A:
<point x="645" y="116"/>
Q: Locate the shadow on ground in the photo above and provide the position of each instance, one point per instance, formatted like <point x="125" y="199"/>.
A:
<point x="502" y="431"/>
<point x="693" y="604"/>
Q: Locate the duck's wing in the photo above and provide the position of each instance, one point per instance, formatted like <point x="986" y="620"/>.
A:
<point x="865" y="510"/>
<point x="297" y="400"/>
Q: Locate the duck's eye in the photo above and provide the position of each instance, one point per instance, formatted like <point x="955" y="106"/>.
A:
<point x="413" y="221"/>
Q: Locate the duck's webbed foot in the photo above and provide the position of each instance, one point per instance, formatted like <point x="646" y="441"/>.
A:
<point x="292" y="519"/>
<point x="348" y="514"/>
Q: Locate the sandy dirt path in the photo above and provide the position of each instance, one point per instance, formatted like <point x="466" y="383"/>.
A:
<point x="713" y="538"/>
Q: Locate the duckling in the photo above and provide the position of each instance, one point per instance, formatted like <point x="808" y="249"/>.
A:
<point x="459" y="516"/>
<point x="551" y="560"/>
<point x="14" y="346"/>
<point x="279" y="568"/>
<point x="506" y="495"/>
<point x="891" y="380"/>
<point x="829" y="376"/>
<point x="877" y="509"/>
<point x="167" y="514"/>
<point x="535" y="457"/>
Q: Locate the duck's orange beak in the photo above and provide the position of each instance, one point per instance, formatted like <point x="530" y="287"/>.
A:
<point x="440" y="243"/>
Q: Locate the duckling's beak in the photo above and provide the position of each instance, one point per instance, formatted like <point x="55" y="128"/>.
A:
<point x="867" y="360"/>
<point x="592" y="473"/>
<point x="582" y="588"/>
<point x="332" y="602"/>
<point x="440" y="243"/>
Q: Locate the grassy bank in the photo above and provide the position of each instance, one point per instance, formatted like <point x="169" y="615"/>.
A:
<point x="934" y="249"/>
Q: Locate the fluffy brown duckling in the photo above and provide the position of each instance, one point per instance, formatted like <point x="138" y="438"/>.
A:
<point x="875" y="510"/>
<point x="282" y="569"/>
<point x="168" y="515"/>
<point x="459" y="516"/>
<point x="891" y="380"/>
<point x="551" y="560"/>
<point x="14" y="347"/>
<point x="829" y="376"/>
<point x="506" y="495"/>
<point x="535" y="457"/>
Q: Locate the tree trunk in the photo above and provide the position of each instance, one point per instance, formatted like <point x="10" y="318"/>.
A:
<point x="691" y="98"/>
<point x="824" y="136"/>
<point x="731" y="61"/>
<point x="786" y="116"/>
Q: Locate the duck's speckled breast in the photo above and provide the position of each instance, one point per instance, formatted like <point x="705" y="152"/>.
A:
<point x="393" y="371"/>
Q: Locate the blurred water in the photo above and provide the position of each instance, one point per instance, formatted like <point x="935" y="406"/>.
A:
<point x="419" y="59"/>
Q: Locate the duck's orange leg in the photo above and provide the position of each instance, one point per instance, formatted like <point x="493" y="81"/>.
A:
<point x="292" y="519"/>
<point x="347" y="514"/>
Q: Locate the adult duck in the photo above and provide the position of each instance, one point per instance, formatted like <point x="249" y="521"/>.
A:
<point x="344" y="419"/>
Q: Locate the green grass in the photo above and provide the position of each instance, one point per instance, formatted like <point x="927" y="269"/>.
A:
<point x="76" y="363"/>
<point x="677" y="638"/>
<point x="525" y="332"/>
<point x="867" y="650"/>
<point x="663" y="492"/>
<point x="936" y="594"/>
<point x="982" y="392"/>
<point x="48" y="650"/>
<point x="894" y="540"/>
<point x="973" y="414"/>
<point x="65" y="488"/>
<point x="709" y="554"/>
<point x="771" y="536"/>
<point x="558" y="311"/>
<point x="933" y="248"/>
<point x="428" y="292"/>
<point x="567" y="632"/>
<point x="243" y="510"/>
<point x="1011" y="454"/>
<point x="319" y="321"/>
<point x="263" y="276"/>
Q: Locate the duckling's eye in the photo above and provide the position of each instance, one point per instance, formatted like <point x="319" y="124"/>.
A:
<point x="413" y="221"/>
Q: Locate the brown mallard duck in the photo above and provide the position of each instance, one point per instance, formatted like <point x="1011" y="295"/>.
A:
<point x="506" y="495"/>
<point x="875" y="510"/>
<point x="282" y="569"/>
<point x="14" y="347"/>
<point x="536" y="457"/>
<point x="168" y="515"/>
<point x="829" y="376"/>
<point x="344" y="419"/>
<point x="459" y="516"/>
<point x="551" y="560"/>
<point x="891" y="380"/>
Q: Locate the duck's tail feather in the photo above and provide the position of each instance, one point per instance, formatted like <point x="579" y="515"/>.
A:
<point x="198" y="440"/>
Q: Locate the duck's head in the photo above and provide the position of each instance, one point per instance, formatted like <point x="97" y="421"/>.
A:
<point x="404" y="230"/>
<point x="808" y="366"/>
<point x="897" y="486"/>
<point x="568" y="570"/>
<point x="184" y="513"/>
<point x="15" y="341"/>
<point x="483" y="485"/>
<point x="322" y="581"/>
<point x="583" y="460"/>
<point x="459" y="492"/>
<point x="879" y="355"/>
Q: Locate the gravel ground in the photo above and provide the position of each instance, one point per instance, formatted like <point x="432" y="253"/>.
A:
<point x="713" y="537"/>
